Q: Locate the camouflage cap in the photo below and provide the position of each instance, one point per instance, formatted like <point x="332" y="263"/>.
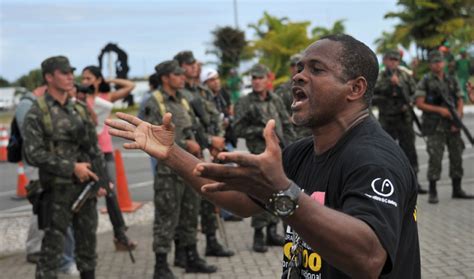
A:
<point x="61" y="63"/>
<point x="259" y="70"/>
<point x="295" y="58"/>
<point x="168" y="67"/>
<point x="392" y="54"/>
<point x="435" y="56"/>
<point x="185" y="56"/>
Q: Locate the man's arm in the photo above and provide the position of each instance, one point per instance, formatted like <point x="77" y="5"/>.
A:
<point x="158" y="142"/>
<point x="344" y="241"/>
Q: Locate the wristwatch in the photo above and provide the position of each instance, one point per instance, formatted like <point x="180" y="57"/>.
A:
<point x="284" y="203"/>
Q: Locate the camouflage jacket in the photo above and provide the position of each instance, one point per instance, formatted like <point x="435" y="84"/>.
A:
<point x="390" y="98"/>
<point x="251" y="116"/>
<point x="73" y="140"/>
<point x="201" y="100"/>
<point x="431" y="87"/>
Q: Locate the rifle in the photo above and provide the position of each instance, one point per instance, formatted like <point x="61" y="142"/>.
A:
<point x="407" y="101"/>
<point x="456" y="119"/>
<point x="113" y="209"/>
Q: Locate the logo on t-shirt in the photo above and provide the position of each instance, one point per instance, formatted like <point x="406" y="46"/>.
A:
<point x="382" y="188"/>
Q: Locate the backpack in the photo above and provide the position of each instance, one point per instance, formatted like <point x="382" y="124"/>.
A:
<point x="15" y="143"/>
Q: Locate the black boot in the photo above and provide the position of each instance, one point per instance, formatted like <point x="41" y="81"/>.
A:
<point x="194" y="264"/>
<point x="259" y="241"/>
<point x="421" y="191"/>
<point x="214" y="248"/>
<point x="179" y="255"/>
<point x="273" y="238"/>
<point x="459" y="193"/>
<point x="162" y="270"/>
<point x="433" y="194"/>
<point x="90" y="274"/>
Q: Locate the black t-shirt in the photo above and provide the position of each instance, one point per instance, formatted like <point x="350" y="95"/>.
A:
<point x="367" y="176"/>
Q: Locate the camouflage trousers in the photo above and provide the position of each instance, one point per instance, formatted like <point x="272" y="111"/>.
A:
<point x="435" y="146"/>
<point x="176" y="213"/>
<point x="84" y="225"/>
<point x="400" y="128"/>
<point x="263" y="219"/>
<point x="208" y="217"/>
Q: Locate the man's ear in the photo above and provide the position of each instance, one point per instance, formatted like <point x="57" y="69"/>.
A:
<point x="358" y="87"/>
<point x="48" y="77"/>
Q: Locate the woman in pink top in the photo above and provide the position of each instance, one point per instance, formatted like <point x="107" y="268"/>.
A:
<point x="91" y="75"/>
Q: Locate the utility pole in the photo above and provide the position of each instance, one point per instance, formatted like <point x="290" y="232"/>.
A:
<point x="236" y="20"/>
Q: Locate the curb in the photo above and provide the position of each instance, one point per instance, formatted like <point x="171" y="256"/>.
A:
<point x="14" y="226"/>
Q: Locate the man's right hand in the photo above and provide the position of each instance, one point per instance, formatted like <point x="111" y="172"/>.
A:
<point x="444" y="112"/>
<point x="154" y="140"/>
<point x="83" y="172"/>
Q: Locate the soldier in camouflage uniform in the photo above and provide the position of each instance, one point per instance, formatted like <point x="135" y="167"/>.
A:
<point x="394" y="113"/>
<point x="439" y="128"/>
<point x="252" y="112"/>
<point x="285" y="93"/>
<point x="202" y="102"/>
<point x="63" y="153"/>
<point x="176" y="206"/>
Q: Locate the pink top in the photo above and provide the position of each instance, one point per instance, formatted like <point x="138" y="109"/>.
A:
<point x="104" y="138"/>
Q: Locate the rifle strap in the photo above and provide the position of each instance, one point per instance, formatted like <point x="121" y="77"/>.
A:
<point x="161" y="103"/>
<point x="48" y="123"/>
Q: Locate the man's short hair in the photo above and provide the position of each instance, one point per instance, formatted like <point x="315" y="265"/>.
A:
<point x="154" y="80"/>
<point x="185" y="57"/>
<point x="357" y="59"/>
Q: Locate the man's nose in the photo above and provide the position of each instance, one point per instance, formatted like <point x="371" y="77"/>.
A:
<point x="299" y="78"/>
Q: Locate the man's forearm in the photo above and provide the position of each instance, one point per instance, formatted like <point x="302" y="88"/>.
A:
<point x="183" y="164"/>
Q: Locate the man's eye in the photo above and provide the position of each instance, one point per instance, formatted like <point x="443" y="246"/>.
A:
<point x="316" y="70"/>
<point x="299" y="68"/>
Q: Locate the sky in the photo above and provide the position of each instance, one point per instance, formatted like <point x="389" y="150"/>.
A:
<point x="154" y="31"/>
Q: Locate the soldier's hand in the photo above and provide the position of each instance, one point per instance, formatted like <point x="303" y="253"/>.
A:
<point x="444" y="112"/>
<point x="154" y="140"/>
<point x="193" y="147"/>
<point x="83" y="172"/>
<point x="218" y="143"/>
<point x="394" y="79"/>
<point x="101" y="193"/>
<point x="470" y="91"/>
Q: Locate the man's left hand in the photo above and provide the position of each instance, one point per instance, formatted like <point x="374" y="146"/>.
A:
<point x="257" y="175"/>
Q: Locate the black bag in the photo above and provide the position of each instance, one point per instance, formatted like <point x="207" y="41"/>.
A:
<point x="14" y="143"/>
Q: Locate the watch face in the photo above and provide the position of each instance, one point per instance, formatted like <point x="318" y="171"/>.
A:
<point x="284" y="205"/>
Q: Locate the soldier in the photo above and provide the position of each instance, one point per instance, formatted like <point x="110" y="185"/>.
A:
<point x="284" y="91"/>
<point x="439" y="128"/>
<point x="394" y="113"/>
<point x="64" y="160"/>
<point x="176" y="206"/>
<point x="202" y="103"/>
<point x="251" y="114"/>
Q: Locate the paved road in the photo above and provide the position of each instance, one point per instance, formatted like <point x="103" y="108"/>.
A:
<point x="446" y="231"/>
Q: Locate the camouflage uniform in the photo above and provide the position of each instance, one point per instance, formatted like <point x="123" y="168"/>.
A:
<point x="201" y="100"/>
<point x="251" y="116"/>
<point x="176" y="205"/>
<point x="438" y="129"/>
<point x="74" y="140"/>
<point x="394" y="114"/>
<point x="284" y="91"/>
